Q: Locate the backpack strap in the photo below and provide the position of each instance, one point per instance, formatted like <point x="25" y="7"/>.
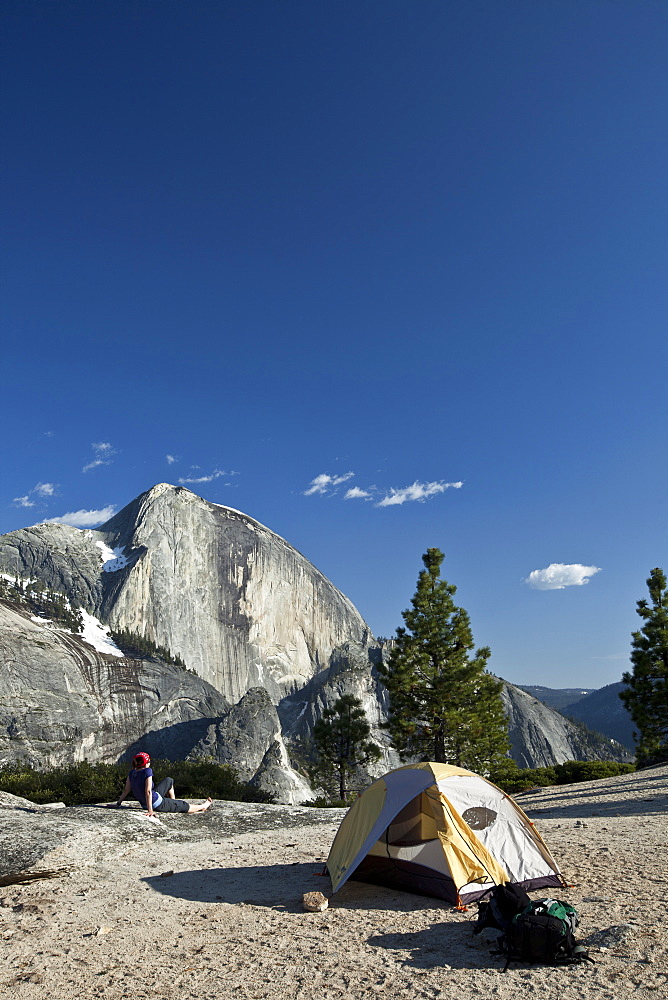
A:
<point x="581" y="954"/>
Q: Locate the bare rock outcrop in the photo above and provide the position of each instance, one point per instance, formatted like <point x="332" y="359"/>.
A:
<point x="249" y="739"/>
<point x="31" y="833"/>
<point x="276" y="776"/>
<point x="61" y="702"/>
<point x="244" y="735"/>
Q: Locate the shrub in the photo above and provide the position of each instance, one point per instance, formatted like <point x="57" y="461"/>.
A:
<point x="512" y="778"/>
<point x="88" y="783"/>
<point x="72" y="785"/>
<point x="205" y="776"/>
<point x="572" y="771"/>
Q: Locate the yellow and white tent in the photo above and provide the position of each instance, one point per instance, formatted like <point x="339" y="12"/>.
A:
<point x="439" y="831"/>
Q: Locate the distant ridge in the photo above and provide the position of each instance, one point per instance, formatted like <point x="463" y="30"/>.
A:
<point x="556" y="698"/>
<point x="600" y="709"/>
<point x="604" y="710"/>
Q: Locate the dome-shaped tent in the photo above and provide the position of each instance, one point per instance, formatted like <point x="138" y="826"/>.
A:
<point x="439" y="831"/>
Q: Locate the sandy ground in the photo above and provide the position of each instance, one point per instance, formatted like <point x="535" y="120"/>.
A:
<point x="229" y="921"/>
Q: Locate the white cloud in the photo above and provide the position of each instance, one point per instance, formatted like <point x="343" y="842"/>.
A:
<point x="40" y="490"/>
<point x="171" y="459"/>
<point x="556" y="576"/>
<point x="103" y="452"/>
<point x="357" y="494"/>
<point x="418" y="491"/>
<point x="84" y="518"/>
<point x="216" y="474"/>
<point x="324" y="482"/>
<point x="45" y="489"/>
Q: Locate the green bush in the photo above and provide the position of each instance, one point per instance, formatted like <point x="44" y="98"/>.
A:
<point x="512" y="778"/>
<point x="204" y="776"/>
<point x="72" y="785"/>
<point x="572" y="771"/>
<point x="89" y="783"/>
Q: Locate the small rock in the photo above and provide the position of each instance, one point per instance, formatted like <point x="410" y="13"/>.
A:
<point x="315" y="902"/>
<point x="167" y="874"/>
<point x="98" y="931"/>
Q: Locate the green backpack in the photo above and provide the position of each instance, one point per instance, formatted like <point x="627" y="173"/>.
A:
<point x="544" y="931"/>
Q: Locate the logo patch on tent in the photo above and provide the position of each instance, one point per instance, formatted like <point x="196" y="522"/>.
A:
<point x="479" y="817"/>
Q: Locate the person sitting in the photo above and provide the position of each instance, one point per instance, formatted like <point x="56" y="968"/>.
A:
<point x="160" y="798"/>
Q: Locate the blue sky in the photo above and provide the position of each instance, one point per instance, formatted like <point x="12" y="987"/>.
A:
<point x="293" y="250"/>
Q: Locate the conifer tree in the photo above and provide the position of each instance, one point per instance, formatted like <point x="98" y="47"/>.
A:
<point x="444" y="706"/>
<point x="342" y="742"/>
<point x="646" y="696"/>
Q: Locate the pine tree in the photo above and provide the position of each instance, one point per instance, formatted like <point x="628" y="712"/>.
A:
<point x="646" y="696"/>
<point x="342" y="743"/>
<point x="444" y="706"/>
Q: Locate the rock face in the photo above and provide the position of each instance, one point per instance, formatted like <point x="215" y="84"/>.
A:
<point x="238" y="604"/>
<point x="268" y="641"/>
<point x="62" y="702"/>
<point x="353" y="671"/>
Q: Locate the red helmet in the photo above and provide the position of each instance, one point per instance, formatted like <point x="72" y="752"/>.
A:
<point x="141" y="760"/>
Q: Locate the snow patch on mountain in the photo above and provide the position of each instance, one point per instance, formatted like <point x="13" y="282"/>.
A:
<point x="112" y="559"/>
<point x="24" y="581"/>
<point x="50" y="624"/>
<point x="97" y="635"/>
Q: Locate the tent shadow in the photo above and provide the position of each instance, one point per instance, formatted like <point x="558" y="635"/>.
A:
<point x="445" y="944"/>
<point x="274" y="886"/>
<point x="282" y="887"/>
<point x="367" y="896"/>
